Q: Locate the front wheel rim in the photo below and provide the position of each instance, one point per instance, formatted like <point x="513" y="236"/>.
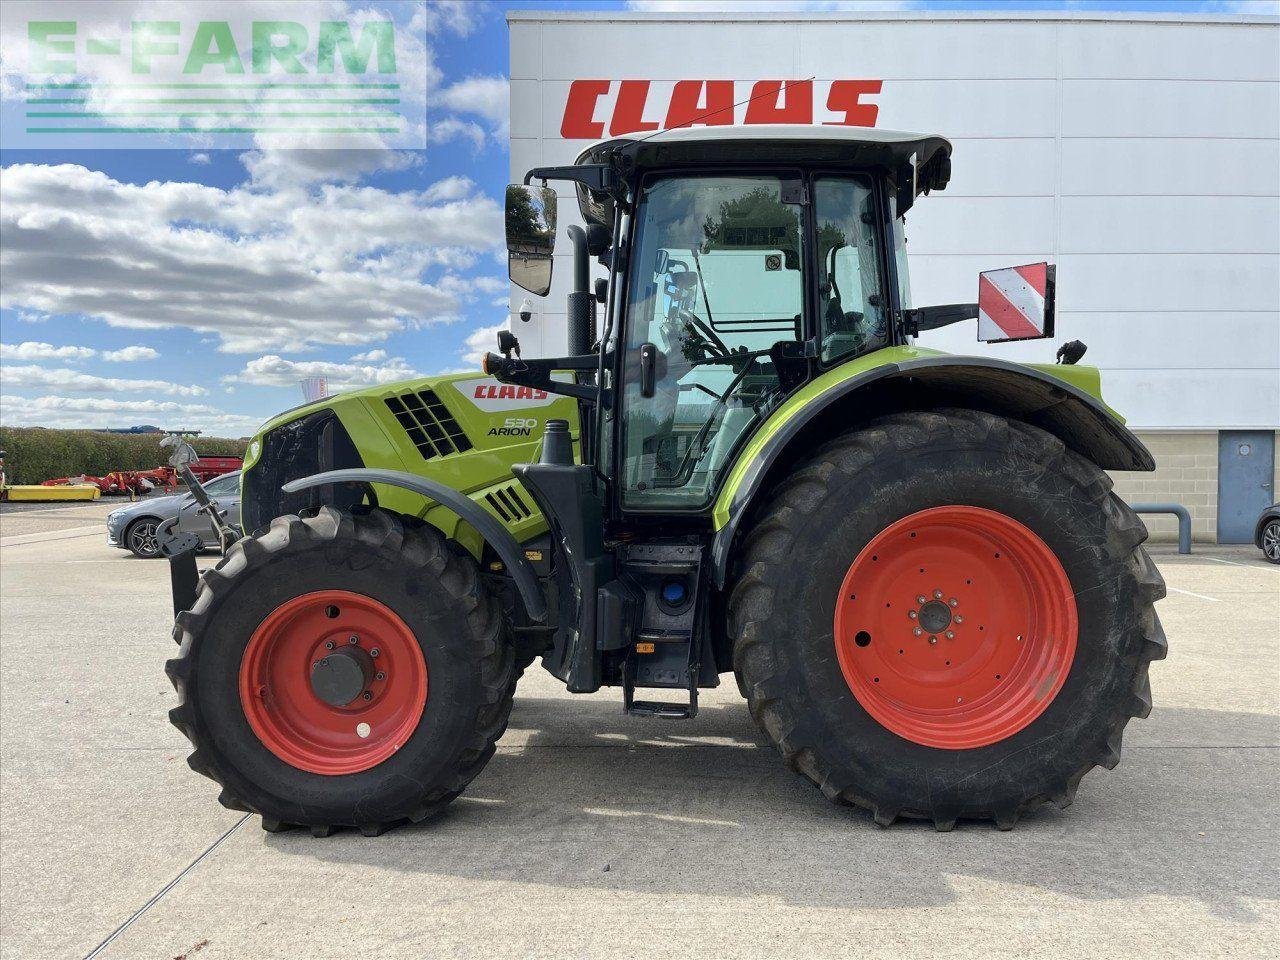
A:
<point x="308" y="637"/>
<point x="956" y="627"/>
<point x="143" y="538"/>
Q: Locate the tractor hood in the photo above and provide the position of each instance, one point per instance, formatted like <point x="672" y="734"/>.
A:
<point x="464" y="430"/>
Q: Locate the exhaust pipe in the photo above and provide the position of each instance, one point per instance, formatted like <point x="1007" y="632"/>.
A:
<point x="582" y="302"/>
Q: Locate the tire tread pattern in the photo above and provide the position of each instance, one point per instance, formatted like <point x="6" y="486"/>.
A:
<point x="417" y="544"/>
<point x="771" y="544"/>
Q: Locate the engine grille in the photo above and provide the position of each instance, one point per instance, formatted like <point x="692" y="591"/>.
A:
<point x="301" y="448"/>
<point x="507" y="504"/>
<point x="428" y="423"/>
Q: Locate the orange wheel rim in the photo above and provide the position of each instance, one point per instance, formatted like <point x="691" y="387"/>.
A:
<point x="956" y="627"/>
<point x="333" y="682"/>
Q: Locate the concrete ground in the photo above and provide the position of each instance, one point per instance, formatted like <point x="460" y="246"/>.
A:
<point x="592" y="834"/>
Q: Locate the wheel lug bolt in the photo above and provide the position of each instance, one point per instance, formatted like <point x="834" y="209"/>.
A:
<point x="329" y="644"/>
<point x="958" y="618"/>
<point x="380" y="676"/>
<point x="950" y="635"/>
<point x="921" y="598"/>
<point x="367" y="695"/>
<point x="917" y="631"/>
<point x="933" y="639"/>
<point x="937" y="594"/>
<point x="912" y="614"/>
<point x="353" y="639"/>
<point x="954" y="602"/>
<point x="374" y="652"/>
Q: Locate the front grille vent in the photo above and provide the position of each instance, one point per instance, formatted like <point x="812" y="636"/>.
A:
<point x="429" y="424"/>
<point x="507" y="504"/>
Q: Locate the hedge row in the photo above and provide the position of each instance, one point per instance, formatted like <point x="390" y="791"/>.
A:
<point x="34" y="454"/>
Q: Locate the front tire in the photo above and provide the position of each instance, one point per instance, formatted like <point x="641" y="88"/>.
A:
<point x="886" y="702"/>
<point x="342" y="670"/>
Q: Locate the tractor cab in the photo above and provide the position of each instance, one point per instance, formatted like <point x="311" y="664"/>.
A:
<point x="744" y="264"/>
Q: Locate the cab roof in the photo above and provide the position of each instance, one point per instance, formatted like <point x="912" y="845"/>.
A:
<point x="841" y="146"/>
<point x="865" y="146"/>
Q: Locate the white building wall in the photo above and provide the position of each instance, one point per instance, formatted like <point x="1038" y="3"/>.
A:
<point x="1140" y="154"/>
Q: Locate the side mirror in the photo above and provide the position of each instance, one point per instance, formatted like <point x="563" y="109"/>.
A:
<point x="1016" y="303"/>
<point x="531" y="236"/>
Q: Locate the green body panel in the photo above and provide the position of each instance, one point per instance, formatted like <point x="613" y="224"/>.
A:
<point x="482" y="470"/>
<point x="1086" y="379"/>
<point x="486" y="468"/>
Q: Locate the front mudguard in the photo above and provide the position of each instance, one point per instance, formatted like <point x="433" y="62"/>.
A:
<point x="505" y="545"/>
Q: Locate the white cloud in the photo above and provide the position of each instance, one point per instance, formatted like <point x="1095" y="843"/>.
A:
<point x="274" y="371"/>
<point x="454" y="16"/>
<point x="300" y="166"/>
<point x="452" y="128"/>
<point x="371" y="356"/>
<point x="59" y="411"/>
<point x="479" y="342"/>
<point x="131" y="354"/>
<point x="36" y="350"/>
<point x="62" y="378"/>
<point x="487" y="97"/>
<point x="262" y="269"/>
<point x="201" y="159"/>
<point x="450" y="188"/>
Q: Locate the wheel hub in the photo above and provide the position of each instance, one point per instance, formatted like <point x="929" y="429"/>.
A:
<point x="935" y="616"/>
<point x="340" y="678"/>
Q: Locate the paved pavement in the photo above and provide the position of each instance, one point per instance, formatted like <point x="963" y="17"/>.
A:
<point x="592" y="834"/>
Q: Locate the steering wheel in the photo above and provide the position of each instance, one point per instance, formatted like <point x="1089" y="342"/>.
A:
<point x="702" y="337"/>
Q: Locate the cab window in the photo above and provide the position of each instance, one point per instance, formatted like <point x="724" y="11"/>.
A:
<point x="851" y="312"/>
<point x="717" y="280"/>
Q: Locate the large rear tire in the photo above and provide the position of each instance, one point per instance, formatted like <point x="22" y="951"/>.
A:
<point x="342" y="670"/>
<point x="946" y="615"/>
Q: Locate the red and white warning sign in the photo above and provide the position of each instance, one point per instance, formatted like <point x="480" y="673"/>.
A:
<point x="1016" y="303"/>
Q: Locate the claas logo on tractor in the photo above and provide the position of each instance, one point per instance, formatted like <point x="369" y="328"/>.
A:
<point x="745" y="466"/>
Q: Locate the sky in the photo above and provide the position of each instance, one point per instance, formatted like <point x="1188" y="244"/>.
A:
<point x="194" y="288"/>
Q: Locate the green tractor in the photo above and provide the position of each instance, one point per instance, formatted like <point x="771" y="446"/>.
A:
<point x="912" y="563"/>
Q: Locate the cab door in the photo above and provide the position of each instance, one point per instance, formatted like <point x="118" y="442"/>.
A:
<point x="717" y="289"/>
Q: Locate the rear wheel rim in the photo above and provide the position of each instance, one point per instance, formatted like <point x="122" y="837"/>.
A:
<point x="309" y="636"/>
<point x="956" y="627"/>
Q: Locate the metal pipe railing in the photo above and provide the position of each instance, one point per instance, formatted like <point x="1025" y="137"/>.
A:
<point x="1184" y="520"/>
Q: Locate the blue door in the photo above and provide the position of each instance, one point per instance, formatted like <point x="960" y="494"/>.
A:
<point x="1246" y="464"/>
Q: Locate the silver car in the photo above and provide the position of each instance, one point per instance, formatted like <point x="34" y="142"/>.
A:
<point x="134" y="527"/>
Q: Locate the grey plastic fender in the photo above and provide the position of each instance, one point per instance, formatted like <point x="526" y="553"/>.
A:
<point x="490" y="529"/>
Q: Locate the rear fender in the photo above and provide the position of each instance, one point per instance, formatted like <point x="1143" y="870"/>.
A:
<point x="917" y="379"/>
